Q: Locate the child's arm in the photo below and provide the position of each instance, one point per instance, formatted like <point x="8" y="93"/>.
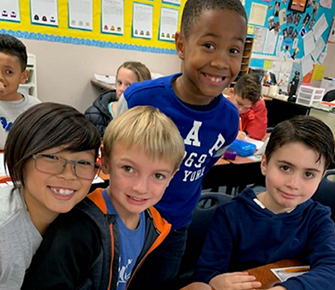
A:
<point x="69" y="247"/>
<point x="255" y="121"/>
<point x="320" y="250"/>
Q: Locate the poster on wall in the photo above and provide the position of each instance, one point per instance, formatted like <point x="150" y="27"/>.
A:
<point x="173" y="2"/>
<point x="10" y="10"/>
<point x="44" y="12"/>
<point x="80" y="14"/>
<point x="112" y="16"/>
<point x="331" y="37"/>
<point x="168" y="24"/>
<point x="142" y="20"/>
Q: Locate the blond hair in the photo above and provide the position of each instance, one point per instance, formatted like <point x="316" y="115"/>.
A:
<point x="148" y="128"/>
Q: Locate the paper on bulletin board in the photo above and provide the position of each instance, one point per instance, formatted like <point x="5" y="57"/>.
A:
<point x="306" y="64"/>
<point x="168" y="24"/>
<point x="142" y="20"/>
<point x="322" y="57"/>
<point x="270" y="42"/>
<point x="258" y="14"/>
<point x="309" y="44"/>
<point x="10" y="10"/>
<point x="320" y="26"/>
<point x="326" y="3"/>
<point x="44" y="12"/>
<point x="331" y="37"/>
<point x="174" y="2"/>
<point x="267" y="63"/>
<point x="259" y="38"/>
<point x="112" y="16"/>
<point x="319" y="47"/>
<point x="80" y="14"/>
<point x="318" y="72"/>
<point x="282" y="17"/>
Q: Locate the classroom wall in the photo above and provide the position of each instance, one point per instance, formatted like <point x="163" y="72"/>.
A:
<point x="64" y="71"/>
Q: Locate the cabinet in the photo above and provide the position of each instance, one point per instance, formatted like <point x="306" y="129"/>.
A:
<point x="245" y="59"/>
<point x="30" y="87"/>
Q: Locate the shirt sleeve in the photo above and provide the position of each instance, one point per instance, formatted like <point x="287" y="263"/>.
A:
<point x="70" y="246"/>
<point x="321" y="255"/>
<point x="217" y="249"/>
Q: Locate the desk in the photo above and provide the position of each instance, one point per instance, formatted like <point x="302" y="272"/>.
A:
<point x="102" y="86"/>
<point x="263" y="274"/>
<point x="280" y="110"/>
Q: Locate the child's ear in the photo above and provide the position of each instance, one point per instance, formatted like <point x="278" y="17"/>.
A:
<point x="24" y="76"/>
<point x="179" y="42"/>
<point x="231" y="91"/>
<point x="104" y="163"/>
<point x="264" y="165"/>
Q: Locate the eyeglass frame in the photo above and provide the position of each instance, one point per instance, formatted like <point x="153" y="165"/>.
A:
<point x="97" y="167"/>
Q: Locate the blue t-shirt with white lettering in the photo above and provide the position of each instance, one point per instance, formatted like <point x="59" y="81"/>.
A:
<point x="207" y="132"/>
<point x="131" y="243"/>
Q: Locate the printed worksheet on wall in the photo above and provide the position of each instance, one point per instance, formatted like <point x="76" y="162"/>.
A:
<point x="142" y="20"/>
<point x="112" y="16"/>
<point x="44" y="12"/>
<point x="10" y="10"/>
<point x="80" y="14"/>
<point x="168" y="24"/>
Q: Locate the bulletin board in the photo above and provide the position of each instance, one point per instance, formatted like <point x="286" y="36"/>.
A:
<point x="143" y="25"/>
<point x="296" y="31"/>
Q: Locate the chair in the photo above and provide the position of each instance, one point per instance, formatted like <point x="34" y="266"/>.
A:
<point x="329" y="96"/>
<point x="202" y="216"/>
<point x="325" y="193"/>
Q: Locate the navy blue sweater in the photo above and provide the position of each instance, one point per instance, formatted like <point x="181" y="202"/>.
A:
<point x="243" y="236"/>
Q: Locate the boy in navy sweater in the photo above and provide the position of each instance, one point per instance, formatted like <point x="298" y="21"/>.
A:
<point x="280" y="223"/>
<point x="211" y="44"/>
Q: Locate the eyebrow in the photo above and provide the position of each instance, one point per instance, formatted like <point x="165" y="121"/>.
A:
<point x="307" y="169"/>
<point x="216" y="36"/>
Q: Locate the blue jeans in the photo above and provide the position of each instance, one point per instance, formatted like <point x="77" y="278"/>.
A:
<point x="162" y="265"/>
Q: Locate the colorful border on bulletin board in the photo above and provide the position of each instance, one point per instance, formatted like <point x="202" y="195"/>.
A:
<point x="65" y="34"/>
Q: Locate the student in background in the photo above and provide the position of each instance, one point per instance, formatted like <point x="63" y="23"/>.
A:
<point x="210" y="44"/>
<point x="13" y="72"/>
<point x="246" y="96"/>
<point x="114" y="228"/>
<point x="281" y="223"/>
<point x="104" y="107"/>
<point x="50" y="153"/>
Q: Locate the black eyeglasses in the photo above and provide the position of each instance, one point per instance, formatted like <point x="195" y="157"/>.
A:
<point x="50" y="163"/>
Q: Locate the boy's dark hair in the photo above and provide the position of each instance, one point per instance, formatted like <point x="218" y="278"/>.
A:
<point x="45" y="126"/>
<point x="193" y="9"/>
<point x="14" y="47"/>
<point x="248" y="87"/>
<point x="308" y="130"/>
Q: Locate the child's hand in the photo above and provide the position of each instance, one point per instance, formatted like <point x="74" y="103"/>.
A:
<point x="277" y="288"/>
<point x="234" y="281"/>
<point x="241" y="135"/>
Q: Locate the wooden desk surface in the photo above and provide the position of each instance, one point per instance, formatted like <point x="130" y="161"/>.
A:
<point x="265" y="275"/>
<point x="102" y="86"/>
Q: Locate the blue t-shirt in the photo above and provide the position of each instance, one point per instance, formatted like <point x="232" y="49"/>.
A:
<point x="131" y="243"/>
<point x="207" y="132"/>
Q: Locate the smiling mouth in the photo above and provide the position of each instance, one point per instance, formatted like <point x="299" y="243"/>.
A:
<point x="62" y="191"/>
<point x="136" y="198"/>
<point x="215" y="79"/>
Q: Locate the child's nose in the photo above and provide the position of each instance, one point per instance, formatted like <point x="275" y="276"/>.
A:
<point x="293" y="181"/>
<point x="221" y="60"/>
<point x="140" y="185"/>
<point x="68" y="172"/>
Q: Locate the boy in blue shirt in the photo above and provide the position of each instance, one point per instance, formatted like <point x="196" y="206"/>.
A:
<point x="280" y="223"/>
<point x="210" y="44"/>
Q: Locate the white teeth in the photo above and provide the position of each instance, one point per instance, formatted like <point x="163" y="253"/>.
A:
<point x="214" y="79"/>
<point x="135" y="198"/>
<point x="62" y="191"/>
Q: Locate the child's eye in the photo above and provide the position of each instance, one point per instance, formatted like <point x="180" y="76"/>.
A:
<point x="119" y="83"/>
<point x="285" y="168"/>
<point x="159" y="176"/>
<point x="209" y="45"/>
<point x="9" y="72"/>
<point x="309" y="174"/>
<point x="235" y="51"/>
<point x="127" y="168"/>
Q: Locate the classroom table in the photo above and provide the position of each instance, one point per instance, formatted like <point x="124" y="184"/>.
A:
<point x="263" y="274"/>
<point x="104" y="87"/>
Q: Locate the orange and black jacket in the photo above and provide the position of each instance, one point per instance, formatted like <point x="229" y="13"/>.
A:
<point x="80" y="249"/>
